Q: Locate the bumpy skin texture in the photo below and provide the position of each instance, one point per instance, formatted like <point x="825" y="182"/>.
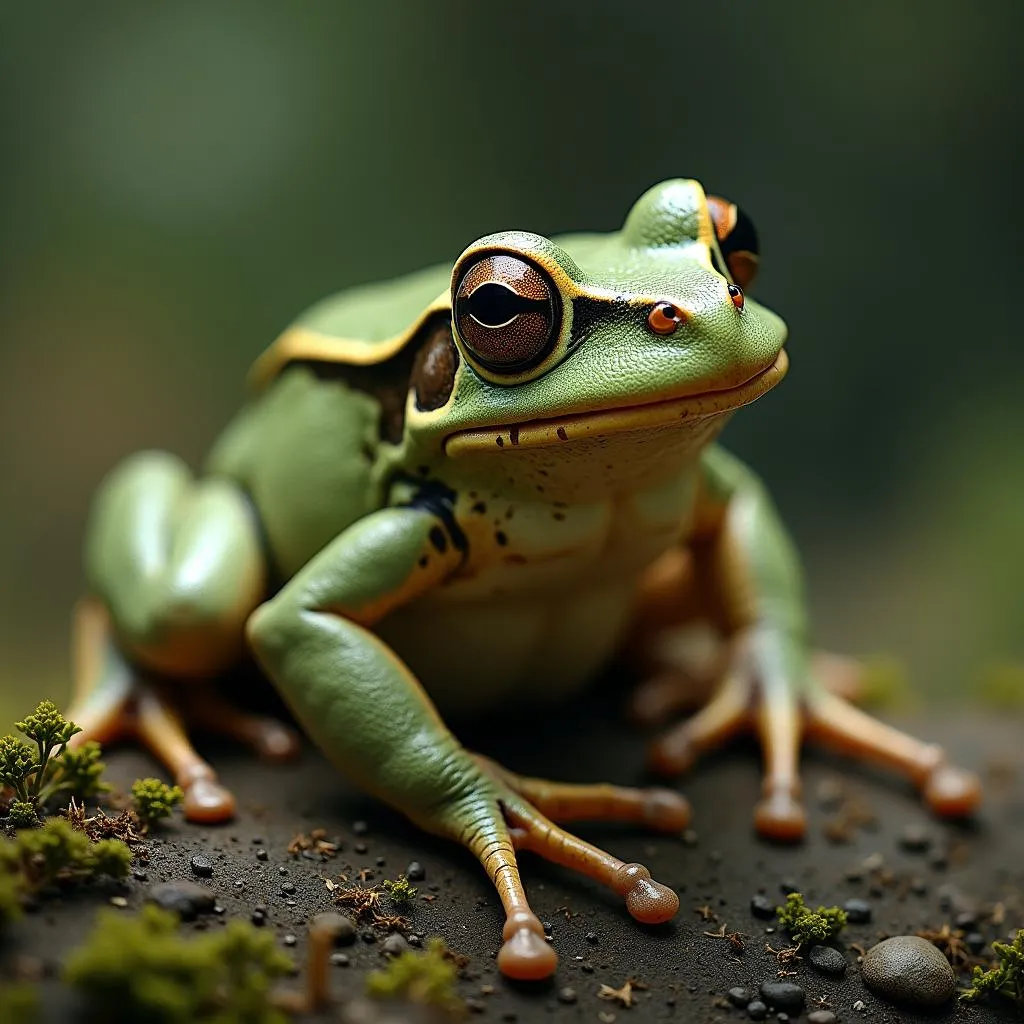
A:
<point x="475" y="486"/>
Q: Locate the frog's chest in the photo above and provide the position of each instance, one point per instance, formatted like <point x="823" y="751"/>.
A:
<point x="543" y="598"/>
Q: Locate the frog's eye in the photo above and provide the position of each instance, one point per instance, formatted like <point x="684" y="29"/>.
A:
<point x="736" y="294"/>
<point x="665" y="317"/>
<point x="506" y="313"/>
<point x="737" y="239"/>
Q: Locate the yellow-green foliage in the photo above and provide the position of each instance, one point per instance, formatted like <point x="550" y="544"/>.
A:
<point x="138" y="967"/>
<point x="1001" y="686"/>
<point x="427" y="977"/>
<point x="400" y="891"/>
<point x="1006" y="978"/>
<point x="154" y="800"/>
<point x="39" y="857"/>
<point x="19" y="1003"/>
<point x="806" y="925"/>
<point x="40" y="770"/>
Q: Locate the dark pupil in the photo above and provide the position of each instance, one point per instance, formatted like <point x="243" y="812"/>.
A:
<point x="496" y="304"/>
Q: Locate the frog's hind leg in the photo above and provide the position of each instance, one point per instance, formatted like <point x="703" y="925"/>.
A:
<point x="175" y="564"/>
<point x="949" y="791"/>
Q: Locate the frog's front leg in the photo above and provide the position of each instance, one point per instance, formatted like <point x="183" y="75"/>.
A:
<point x="769" y="682"/>
<point x="364" y="708"/>
<point x="175" y="567"/>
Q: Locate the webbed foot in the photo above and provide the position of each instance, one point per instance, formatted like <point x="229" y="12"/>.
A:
<point x="112" y="702"/>
<point x="755" y="694"/>
<point x="516" y="818"/>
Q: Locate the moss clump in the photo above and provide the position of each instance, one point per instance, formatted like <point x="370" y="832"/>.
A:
<point x="138" y="967"/>
<point x="154" y="800"/>
<point x="806" y="925"/>
<point x="427" y="978"/>
<point x="54" y="854"/>
<point x="19" y="1003"/>
<point x="1006" y="978"/>
<point x="399" y="891"/>
<point x="39" y="771"/>
<point x="22" y="814"/>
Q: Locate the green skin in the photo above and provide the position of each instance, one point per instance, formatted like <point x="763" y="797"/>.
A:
<point x="421" y="577"/>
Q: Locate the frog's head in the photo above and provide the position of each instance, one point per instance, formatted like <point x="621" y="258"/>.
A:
<point x="606" y="354"/>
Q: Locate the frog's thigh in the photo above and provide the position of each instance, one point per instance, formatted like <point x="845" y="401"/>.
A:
<point x="177" y="562"/>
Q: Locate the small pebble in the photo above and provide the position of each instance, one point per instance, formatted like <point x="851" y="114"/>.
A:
<point x="827" y="959"/>
<point x="360" y="828"/>
<point x="761" y="906"/>
<point x="282" y="870"/>
<point x="475" y="1005"/>
<point x="186" y="899"/>
<point x="201" y="866"/>
<point x="289" y="940"/>
<point x="908" y="969"/>
<point x="739" y="996"/>
<point x="340" y="960"/>
<point x="858" y="911"/>
<point x="860" y="1006"/>
<point x="783" y="995"/>
<point x="756" y="1010"/>
<point x="567" y="995"/>
<point x="415" y="871"/>
<point x="140" y="876"/>
<point x="974" y="941"/>
<point x="915" y="838"/>
<point x="256" y="840"/>
<point x="788" y="886"/>
<point x="966" y="920"/>
<point x="360" y="847"/>
<point x="288" y="888"/>
<point x="262" y="854"/>
<point x="394" y="945"/>
<point x="821" y="1017"/>
<point x="343" y="929"/>
<point x="591" y="937"/>
<point x="258" y="918"/>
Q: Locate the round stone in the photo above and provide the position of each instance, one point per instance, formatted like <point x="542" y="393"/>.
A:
<point x="783" y="995"/>
<point x="761" y="906"/>
<point x="201" y="866"/>
<point x="908" y="969"/>
<point x="415" y="871"/>
<point x="821" y="1017"/>
<point x="186" y="899"/>
<point x="739" y="996"/>
<point x="394" y="945"/>
<point x="827" y="959"/>
<point x="342" y="929"/>
<point x="757" y="1010"/>
<point x="858" y="911"/>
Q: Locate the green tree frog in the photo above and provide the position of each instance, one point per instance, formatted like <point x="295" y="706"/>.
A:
<point x="476" y="486"/>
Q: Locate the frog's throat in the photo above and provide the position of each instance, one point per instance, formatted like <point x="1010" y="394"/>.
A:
<point x="578" y="426"/>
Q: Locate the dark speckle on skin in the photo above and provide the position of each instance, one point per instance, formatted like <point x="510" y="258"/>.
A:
<point x="424" y="561"/>
<point x="500" y="537"/>
<point x="562" y="435"/>
<point x="424" y="471"/>
<point x="513" y="435"/>
<point x="510" y="512"/>
<point x="479" y="508"/>
<point x="438" y="539"/>
<point x="500" y="441"/>
<point x="558" y="515"/>
<point x="516" y="559"/>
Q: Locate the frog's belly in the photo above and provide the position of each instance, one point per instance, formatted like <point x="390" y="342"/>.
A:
<point x="474" y="657"/>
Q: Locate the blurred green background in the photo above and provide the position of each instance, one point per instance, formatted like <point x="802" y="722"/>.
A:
<point x="179" y="180"/>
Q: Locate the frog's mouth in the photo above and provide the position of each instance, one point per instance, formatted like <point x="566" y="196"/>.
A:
<point x="601" y="422"/>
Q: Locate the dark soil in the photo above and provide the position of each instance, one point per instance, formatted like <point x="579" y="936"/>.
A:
<point x="920" y="874"/>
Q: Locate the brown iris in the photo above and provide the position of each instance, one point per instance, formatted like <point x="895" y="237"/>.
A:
<point x="665" y="317"/>
<point x="736" y="294"/>
<point x="506" y="313"/>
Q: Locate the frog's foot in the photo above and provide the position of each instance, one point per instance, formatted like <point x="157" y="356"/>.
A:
<point x="112" y="703"/>
<point x="520" y="825"/>
<point x="268" y="738"/>
<point x="780" y="714"/>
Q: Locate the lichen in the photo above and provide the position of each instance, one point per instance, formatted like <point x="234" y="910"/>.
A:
<point x="1005" y="978"/>
<point x="806" y="925"/>
<point x="399" y="891"/>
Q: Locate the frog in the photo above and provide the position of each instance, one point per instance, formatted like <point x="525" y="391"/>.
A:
<point x="473" y="489"/>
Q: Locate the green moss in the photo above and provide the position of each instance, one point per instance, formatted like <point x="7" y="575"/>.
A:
<point x="154" y="800"/>
<point x="1006" y="978"/>
<point x="399" y="891"/>
<point x="427" y="978"/>
<point x="81" y="771"/>
<point x="138" y="967"/>
<point x="19" y="1003"/>
<point x="806" y="925"/>
<point x="22" y="814"/>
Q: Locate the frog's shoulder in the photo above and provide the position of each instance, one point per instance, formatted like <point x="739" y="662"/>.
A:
<point x="361" y="326"/>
